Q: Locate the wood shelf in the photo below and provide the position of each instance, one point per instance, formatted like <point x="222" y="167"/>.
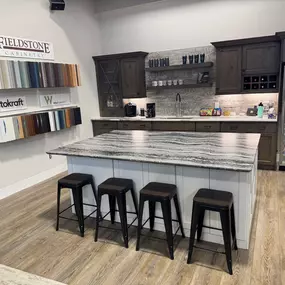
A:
<point x="181" y="67"/>
<point x="197" y="85"/>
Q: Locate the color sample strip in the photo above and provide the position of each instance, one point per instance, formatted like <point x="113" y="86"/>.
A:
<point x="21" y="74"/>
<point x="19" y="127"/>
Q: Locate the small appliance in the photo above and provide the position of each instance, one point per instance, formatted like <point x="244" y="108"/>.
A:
<point x="150" y="110"/>
<point x="130" y="110"/>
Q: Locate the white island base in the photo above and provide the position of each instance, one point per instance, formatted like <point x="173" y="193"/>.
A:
<point x="188" y="180"/>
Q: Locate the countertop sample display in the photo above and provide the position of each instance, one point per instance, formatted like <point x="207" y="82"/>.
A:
<point x="192" y="119"/>
<point x="221" y="161"/>
<point x="231" y="151"/>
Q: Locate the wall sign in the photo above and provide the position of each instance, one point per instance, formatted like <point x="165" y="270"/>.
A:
<point x="17" y="47"/>
<point x="54" y="100"/>
<point x="12" y="103"/>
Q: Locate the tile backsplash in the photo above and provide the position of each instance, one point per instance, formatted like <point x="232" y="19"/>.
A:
<point x="193" y="99"/>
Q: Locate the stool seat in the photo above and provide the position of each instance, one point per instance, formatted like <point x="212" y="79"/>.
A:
<point x="159" y="190"/>
<point x="214" y="198"/>
<point x="75" y="180"/>
<point x="116" y="184"/>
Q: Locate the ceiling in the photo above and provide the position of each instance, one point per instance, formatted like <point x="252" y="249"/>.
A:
<point x="108" y="5"/>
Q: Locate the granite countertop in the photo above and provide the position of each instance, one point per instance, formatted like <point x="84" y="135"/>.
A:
<point x="229" y="151"/>
<point x="191" y="118"/>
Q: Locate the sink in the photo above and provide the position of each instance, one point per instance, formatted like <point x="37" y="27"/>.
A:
<point x="176" y="118"/>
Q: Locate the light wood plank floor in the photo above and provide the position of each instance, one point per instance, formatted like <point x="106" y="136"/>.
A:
<point x="29" y="242"/>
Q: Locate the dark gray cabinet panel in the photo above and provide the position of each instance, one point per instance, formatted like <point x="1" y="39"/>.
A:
<point x="207" y="127"/>
<point x="101" y="127"/>
<point x="133" y="77"/>
<point x="173" y="126"/>
<point x="243" y="127"/>
<point x="228" y="70"/>
<point x="136" y="125"/>
<point x="263" y="58"/>
<point x="267" y="150"/>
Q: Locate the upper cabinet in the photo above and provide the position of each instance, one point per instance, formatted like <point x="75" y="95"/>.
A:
<point x="119" y="76"/>
<point x="248" y="65"/>
<point x="133" y="77"/>
<point x="261" y="58"/>
<point x="228" y="70"/>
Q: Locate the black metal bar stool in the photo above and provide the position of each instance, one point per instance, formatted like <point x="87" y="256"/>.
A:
<point x="218" y="201"/>
<point x="75" y="181"/>
<point x="116" y="189"/>
<point x="163" y="193"/>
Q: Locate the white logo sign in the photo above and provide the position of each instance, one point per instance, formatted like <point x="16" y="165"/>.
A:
<point x="17" y="47"/>
<point x="12" y="103"/>
<point x="54" y="100"/>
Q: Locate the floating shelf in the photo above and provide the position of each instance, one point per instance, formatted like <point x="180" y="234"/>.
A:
<point x="181" y="67"/>
<point x="201" y="85"/>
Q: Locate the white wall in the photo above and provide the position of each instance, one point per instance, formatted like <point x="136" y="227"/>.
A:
<point x="75" y="36"/>
<point x="177" y="24"/>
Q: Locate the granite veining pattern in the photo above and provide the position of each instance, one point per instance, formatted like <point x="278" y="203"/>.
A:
<point x="229" y="151"/>
<point x="11" y="276"/>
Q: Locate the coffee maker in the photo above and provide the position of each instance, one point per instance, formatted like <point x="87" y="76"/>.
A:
<point x="150" y="110"/>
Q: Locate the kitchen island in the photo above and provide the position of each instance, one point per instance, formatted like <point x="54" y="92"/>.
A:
<point x="191" y="160"/>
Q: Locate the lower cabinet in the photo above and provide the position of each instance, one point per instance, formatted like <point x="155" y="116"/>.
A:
<point x="101" y="127"/>
<point x="267" y="151"/>
<point x="208" y="127"/>
<point x="135" y="125"/>
<point x="173" y="126"/>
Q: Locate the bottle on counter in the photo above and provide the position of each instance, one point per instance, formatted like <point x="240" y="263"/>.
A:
<point x="260" y="110"/>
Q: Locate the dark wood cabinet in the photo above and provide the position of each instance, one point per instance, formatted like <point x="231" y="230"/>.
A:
<point x="173" y="126"/>
<point x="133" y="77"/>
<point x="267" y="151"/>
<point x="248" y="65"/>
<point x="135" y="125"/>
<point x="119" y="76"/>
<point x="262" y="58"/>
<point x="208" y="127"/>
<point x="228" y="70"/>
<point x="101" y="127"/>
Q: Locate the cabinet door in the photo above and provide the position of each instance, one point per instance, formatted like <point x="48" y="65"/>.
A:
<point x="208" y="127"/>
<point x="228" y="70"/>
<point x="134" y="126"/>
<point x="101" y="127"/>
<point x="133" y="78"/>
<point x="267" y="150"/>
<point x="261" y="58"/>
<point x="109" y="88"/>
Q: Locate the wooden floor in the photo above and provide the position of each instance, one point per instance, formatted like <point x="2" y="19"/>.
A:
<point x="29" y="242"/>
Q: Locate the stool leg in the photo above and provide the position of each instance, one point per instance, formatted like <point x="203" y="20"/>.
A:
<point x="178" y="212"/>
<point x="200" y="224"/>
<point x="112" y="203"/>
<point x="233" y="227"/>
<point x="123" y="216"/>
<point x="141" y="206"/>
<point x="78" y="203"/>
<point x="58" y="206"/>
<point x="194" y="222"/>
<point x="225" y="220"/>
<point x="98" y="215"/>
<point x="135" y="200"/>
<point x="95" y="194"/>
<point x="166" y="210"/>
<point x="151" y="205"/>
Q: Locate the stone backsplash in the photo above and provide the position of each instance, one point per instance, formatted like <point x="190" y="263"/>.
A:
<point x="193" y="99"/>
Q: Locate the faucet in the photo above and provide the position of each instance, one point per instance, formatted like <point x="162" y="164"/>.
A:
<point x="178" y="105"/>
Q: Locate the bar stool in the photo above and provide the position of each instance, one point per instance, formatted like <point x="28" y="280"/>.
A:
<point x="163" y="193"/>
<point x="75" y="181"/>
<point x="116" y="189"/>
<point x="218" y="201"/>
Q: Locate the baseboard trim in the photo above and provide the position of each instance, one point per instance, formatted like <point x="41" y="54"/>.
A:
<point x="26" y="183"/>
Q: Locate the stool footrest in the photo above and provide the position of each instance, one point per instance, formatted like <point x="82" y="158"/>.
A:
<point x="212" y="228"/>
<point x="211" y="250"/>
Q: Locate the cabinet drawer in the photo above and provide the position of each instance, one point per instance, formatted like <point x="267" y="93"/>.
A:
<point x="135" y="126"/>
<point x="207" y="127"/>
<point x="109" y="125"/>
<point x="249" y="127"/>
<point x="173" y="126"/>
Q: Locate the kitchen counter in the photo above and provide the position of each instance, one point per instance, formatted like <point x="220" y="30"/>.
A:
<point x="222" y="161"/>
<point x="191" y="118"/>
<point x="207" y="150"/>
